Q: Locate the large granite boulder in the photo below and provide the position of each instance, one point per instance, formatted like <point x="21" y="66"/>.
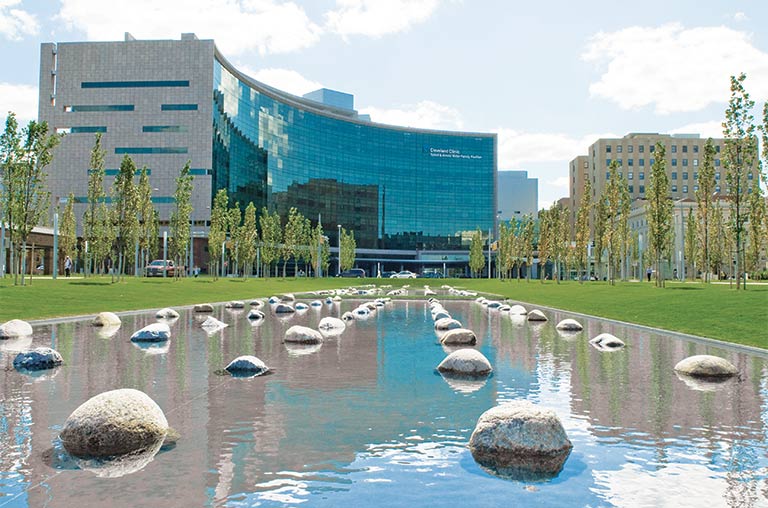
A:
<point x="331" y="323"/>
<point x="156" y="332"/>
<point x="520" y="440"/>
<point x="15" y="328"/>
<point x="283" y="308"/>
<point x="518" y="309"/>
<point x="167" y="313"/>
<point x="607" y="342"/>
<point x="569" y="325"/>
<point x="468" y="362"/>
<point x="234" y="304"/>
<point x="255" y="315"/>
<point x="706" y="366"/>
<point x="211" y="324"/>
<point x="203" y="307"/>
<point x="247" y="365"/>
<point x="114" y="423"/>
<point x="447" y="324"/>
<point x="106" y="319"/>
<point x="303" y="335"/>
<point x="459" y="337"/>
<point x="37" y="359"/>
<point x="441" y="314"/>
<point x="536" y="315"/>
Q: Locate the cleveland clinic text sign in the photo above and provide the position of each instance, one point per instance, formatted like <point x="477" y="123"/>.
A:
<point x="449" y="153"/>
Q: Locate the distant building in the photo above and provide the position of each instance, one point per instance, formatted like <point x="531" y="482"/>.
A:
<point x="518" y="195"/>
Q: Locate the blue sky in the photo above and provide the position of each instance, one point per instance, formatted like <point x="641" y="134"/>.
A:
<point x="548" y="77"/>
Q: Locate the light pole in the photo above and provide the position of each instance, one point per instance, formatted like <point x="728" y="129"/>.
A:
<point x="338" y="227"/>
<point x="55" y="245"/>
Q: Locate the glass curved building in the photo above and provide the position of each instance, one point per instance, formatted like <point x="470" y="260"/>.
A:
<point x="165" y="102"/>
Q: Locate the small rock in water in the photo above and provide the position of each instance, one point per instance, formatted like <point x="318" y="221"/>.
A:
<point x="447" y="324"/>
<point x="167" y="313"/>
<point x="255" y="314"/>
<point x="459" y="336"/>
<point x="156" y="332"/>
<point x="106" y="319"/>
<point x="37" y="359"/>
<point x="467" y="362"/>
<point x="569" y="325"/>
<point x="203" y="307"/>
<point x="706" y="366"/>
<point x="284" y="308"/>
<point x="248" y="365"/>
<point x="303" y="335"/>
<point x="234" y="304"/>
<point x="518" y="309"/>
<point x="607" y="342"/>
<point x="15" y="328"/>
<point x="536" y="315"/>
<point x="331" y="323"/>
<point x="211" y="324"/>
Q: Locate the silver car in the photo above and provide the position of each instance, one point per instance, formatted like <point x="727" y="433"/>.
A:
<point x="405" y="274"/>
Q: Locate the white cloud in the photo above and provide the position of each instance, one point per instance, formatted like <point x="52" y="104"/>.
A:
<point x="238" y="26"/>
<point x="560" y="182"/>
<point x="740" y="16"/>
<point x="713" y="129"/>
<point x="283" y="79"/>
<point x="21" y="99"/>
<point x="517" y="148"/>
<point x="425" y="115"/>
<point x="375" y="18"/>
<point x="16" y="23"/>
<point x="674" y="68"/>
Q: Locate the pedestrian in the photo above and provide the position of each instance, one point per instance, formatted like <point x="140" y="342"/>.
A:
<point x="648" y="273"/>
<point x="67" y="265"/>
<point x="674" y="274"/>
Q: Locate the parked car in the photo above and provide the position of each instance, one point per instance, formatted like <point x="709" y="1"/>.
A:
<point x="387" y="275"/>
<point x="354" y="273"/>
<point x="433" y="275"/>
<point x="405" y="274"/>
<point x="158" y="266"/>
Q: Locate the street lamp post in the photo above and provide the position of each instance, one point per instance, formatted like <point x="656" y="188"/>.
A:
<point x="338" y="226"/>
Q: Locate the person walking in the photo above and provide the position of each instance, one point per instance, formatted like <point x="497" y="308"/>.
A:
<point x="648" y="273"/>
<point x="67" y="265"/>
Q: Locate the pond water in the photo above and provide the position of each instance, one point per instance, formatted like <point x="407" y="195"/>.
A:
<point x="365" y="420"/>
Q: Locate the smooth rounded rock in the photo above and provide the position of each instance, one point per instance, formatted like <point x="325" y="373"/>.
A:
<point x="467" y="362"/>
<point x="40" y="358"/>
<point x="331" y="323"/>
<point x="569" y="325"/>
<point x="167" y="313"/>
<point x="284" y="308"/>
<point x="706" y="366"/>
<point x="537" y="315"/>
<point x="607" y="342"/>
<point x="247" y="365"/>
<point x="437" y="316"/>
<point x="114" y="423"/>
<point x="234" y="304"/>
<point x="315" y="303"/>
<point x="273" y="300"/>
<point x="156" y="332"/>
<point x="459" y="336"/>
<point x="520" y="440"/>
<point x="106" y="319"/>
<point x="347" y="316"/>
<point x="493" y="304"/>
<point x="257" y="304"/>
<point x="302" y="335"/>
<point x="15" y="328"/>
<point x="255" y="315"/>
<point x="301" y="306"/>
<point x="203" y="307"/>
<point x="288" y="297"/>
<point x="447" y="324"/>
<point x="211" y="324"/>
<point x="518" y="309"/>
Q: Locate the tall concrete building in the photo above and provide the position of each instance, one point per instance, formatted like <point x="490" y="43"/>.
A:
<point x="167" y="102"/>
<point x="518" y="195"/>
<point x="635" y="154"/>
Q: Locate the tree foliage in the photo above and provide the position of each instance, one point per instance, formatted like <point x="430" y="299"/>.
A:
<point x="94" y="219"/>
<point x="147" y="226"/>
<point x="68" y="231"/>
<point x="125" y="213"/>
<point x="476" y="257"/>
<point x="659" y="212"/>
<point x="217" y="233"/>
<point x="705" y="208"/>
<point x="348" y="248"/>
<point x="271" y="238"/>
<point x="583" y="229"/>
<point x="180" y="217"/>
<point x="246" y="238"/>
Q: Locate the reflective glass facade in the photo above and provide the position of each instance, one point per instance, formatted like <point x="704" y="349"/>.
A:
<point x="396" y="188"/>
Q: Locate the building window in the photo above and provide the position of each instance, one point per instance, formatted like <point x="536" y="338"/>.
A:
<point x="80" y="130"/>
<point x="164" y="128"/>
<point x="642" y="189"/>
<point x="607" y="148"/>
<point x="630" y="175"/>
<point x="619" y="161"/>
<point x="749" y="176"/>
<point x="696" y="188"/>
<point x="641" y="176"/>
<point x="685" y="175"/>
<point x="674" y="188"/>
<point x="695" y="148"/>
<point x="619" y="149"/>
<point x="652" y="148"/>
<point x="717" y="176"/>
<point x="695" y="162"/>
<point x="631" y="188"/>
<point x="178" y="107"/>
<point x="642" y="162"/>
<point x="607" y="162"/>
<point x="630" y="162"/>
<point x="95" y="108"/>
<point x="586" y="164"/>
<point x="695" y="175"/>
<point x="607" y="175"/>
<point x="717" y="149"/>
<point x="674" y="162"/>
<point x="641" y="148"/>
<point x="717" y="163"/>
<point x="674" y="175"/>
<point x="150" y="149"/>
<point x="685" y="189"/>
<point x="674" y="149"/>
<point x="717" y="188"/>
<point x="685" y="148"/>
<point x="132" y="84"/>
<point x="685" y="162"/>
<point x="200" y="172"/>
<point x="650" y="162"/>
<point x="630" y="149"/>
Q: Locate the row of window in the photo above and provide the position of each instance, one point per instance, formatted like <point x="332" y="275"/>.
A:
<point x="91" y="129"/>
<point x="151" y="149"/>
<point x="652" y="148"/>
<point x="108" y="199"/>
<point x="134" y="84"/>
<point x="111" y="108"/>
<point x="673" y="176"/>
<point x="641" y="162"/>
<point x="192" y="171"/>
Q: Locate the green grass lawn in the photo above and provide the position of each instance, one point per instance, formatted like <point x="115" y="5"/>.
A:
<point x="713" y="310"/>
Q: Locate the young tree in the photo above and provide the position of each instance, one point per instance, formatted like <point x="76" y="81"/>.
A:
<point x="348" y="248"/>
<point x="105" y="237"/>
<point x="561" y="223"/>
<point x="28" y="199"/>
<point x="292" y="239"/>
<point x="704" y="207"/>
<point x="271" y="238"/>
<point x="68" y="230"/>
<point x="146" y="216"/>
<point x="180" y="217"/>
<point x="659" y="211"/>
<point x="756" y="232"/>
<point x="582" y="230"/>
<point x="527" y="239"/>
<point x="602" y="236"/>
<point x="234" y="218"/>
<point x="739" y="158"/>
<point x="691" y="245"/>
<point x="545" y="241"/>
<point x="616" y="212"/>
<point x="10" y="153"/>
<point x="318" y="246"/>
<point x="247" y="236"/>
<point x="504" y="250"/>
<point x="217" y="233"/>
<point x="476" y="257"/>
<point x="96" y="196"/>
<point x="125" y="211"/>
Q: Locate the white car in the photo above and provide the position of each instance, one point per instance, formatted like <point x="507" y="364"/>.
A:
<point x="405" y="274"/>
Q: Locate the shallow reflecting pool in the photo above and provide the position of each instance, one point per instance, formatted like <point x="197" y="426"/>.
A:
<point x="364" y="420"/>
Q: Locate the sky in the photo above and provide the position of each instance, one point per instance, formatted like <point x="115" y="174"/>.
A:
<point x="549" y="78"/>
